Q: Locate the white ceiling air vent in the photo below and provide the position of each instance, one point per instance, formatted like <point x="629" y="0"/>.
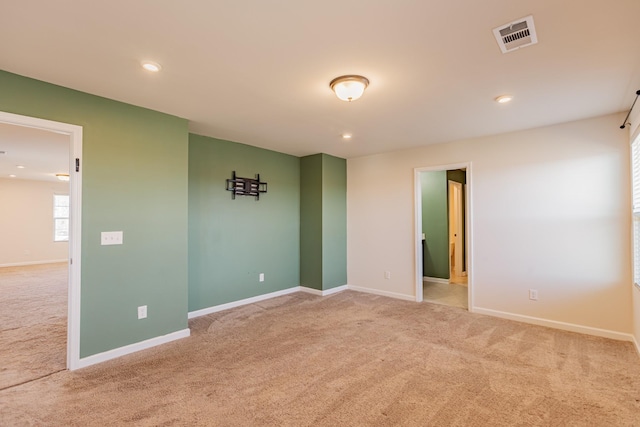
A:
<point x="516" y="34"/>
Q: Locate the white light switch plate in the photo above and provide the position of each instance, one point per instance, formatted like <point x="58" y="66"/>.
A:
<point x="142" y="312"/>
<point x="111" y="238"/>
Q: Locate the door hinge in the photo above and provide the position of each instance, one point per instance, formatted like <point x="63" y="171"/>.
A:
<point x="77" y="164"/>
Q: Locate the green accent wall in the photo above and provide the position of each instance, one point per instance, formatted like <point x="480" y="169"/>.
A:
<point x="435" y="224"/>
<point x="134" y="179"/>
<point x="311" y="221"/>
<point x="323" y="212"/>
<point x="232" y="241"/>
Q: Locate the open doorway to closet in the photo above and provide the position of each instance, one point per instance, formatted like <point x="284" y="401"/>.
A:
<point x="443" y="254"/>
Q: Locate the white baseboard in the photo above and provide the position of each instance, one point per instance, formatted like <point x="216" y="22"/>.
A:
<point x="131" y="348"/>
<point x="436" y="280"/>
<point x="588" y="330"/>
<point x="233" y="304"/>
<point x="48" y="261"/>
<point x="324" y="293"/>
<point x="382" y="293"/>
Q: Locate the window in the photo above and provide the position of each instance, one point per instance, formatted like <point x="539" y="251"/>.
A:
<point x="60" y="218"/>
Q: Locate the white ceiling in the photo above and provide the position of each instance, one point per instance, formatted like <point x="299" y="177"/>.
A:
<point x="258" y="72"/>
<point x="42" y="153"/>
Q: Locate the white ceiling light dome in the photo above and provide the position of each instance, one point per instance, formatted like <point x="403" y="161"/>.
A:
<point x="349" y="88"/>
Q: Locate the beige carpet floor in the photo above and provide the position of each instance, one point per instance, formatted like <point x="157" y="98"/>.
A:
<point x="350" y="359"/>
<point x="33" y="322"/>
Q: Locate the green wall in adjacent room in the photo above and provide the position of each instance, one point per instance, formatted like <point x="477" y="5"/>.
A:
<point x="435" y="224"/>
<point x="323" y="211"/>
<point x="134" y="179"/>
<point x="232" y="241"/>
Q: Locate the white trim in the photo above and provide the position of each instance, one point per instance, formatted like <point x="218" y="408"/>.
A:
<point x="588" y="330"/>
<point x="324" y="293"/>
<point x="233" y="304"/>
<point x="131" y="348"/>
<point x="75" y="231"/>
<point x="417" y="230"/>
<point x="20" y="264"/>
<point x="636" y="343"/>
<point x="436" y="280"/>
<point x="381" y="293"/>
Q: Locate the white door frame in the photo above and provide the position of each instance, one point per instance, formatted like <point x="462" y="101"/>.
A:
<point x="75" y="198"/>
<point x="418" y="226"/>
<point x="455" y="210"/>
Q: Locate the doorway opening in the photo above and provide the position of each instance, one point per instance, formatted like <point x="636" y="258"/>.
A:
<point x="443" y="235"/>
<point x="65" y="214"/>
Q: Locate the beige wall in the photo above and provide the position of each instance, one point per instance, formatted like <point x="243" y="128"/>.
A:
<point x="26" y="222"/>
<point x="550" y="210"/>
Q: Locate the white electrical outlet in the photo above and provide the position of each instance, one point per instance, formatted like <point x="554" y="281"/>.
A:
<point x="387" y="275"/>
<point x="142" y="312"/>
<point x="261" y="277"/>
<point x="533" y="294"/>
<point x="111" y="238"/>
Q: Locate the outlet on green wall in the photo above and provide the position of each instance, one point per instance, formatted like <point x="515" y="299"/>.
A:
<point x="134" y="180"/>
<point x="231" y="242"/>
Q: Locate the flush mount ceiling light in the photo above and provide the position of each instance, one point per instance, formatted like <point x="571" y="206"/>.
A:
<point x="346" y="136"/>
<point x="12" y="176"/>
<point x="20" y="167"/>
<point x="62" y="176"/>
<point x="503" y="99"/>
<point x="154" y="67"/>
<point x="349" y="88"/>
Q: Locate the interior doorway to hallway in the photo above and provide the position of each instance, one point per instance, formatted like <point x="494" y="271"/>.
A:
<point x="68" y="223"/>
<point x="442" y="230"/>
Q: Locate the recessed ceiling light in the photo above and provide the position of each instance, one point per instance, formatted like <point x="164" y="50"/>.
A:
<point x="12" y="176"/>
<point x="154" y="67"/>
<point x="503" y="99"/>
<point x="20" y="167"/>
<point x="62" y="176"/>
<point x="346" y="136"/>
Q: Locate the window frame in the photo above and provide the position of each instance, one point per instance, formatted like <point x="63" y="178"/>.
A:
<point x="57" y="217"/>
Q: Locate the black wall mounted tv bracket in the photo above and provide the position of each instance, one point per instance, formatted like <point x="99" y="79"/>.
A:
<point x="246" y="186"/>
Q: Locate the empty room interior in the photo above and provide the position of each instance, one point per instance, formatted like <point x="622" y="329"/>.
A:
<point x="347" y="213"/>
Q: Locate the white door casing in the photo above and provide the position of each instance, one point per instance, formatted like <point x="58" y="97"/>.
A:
<point x="75" y="197"/>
